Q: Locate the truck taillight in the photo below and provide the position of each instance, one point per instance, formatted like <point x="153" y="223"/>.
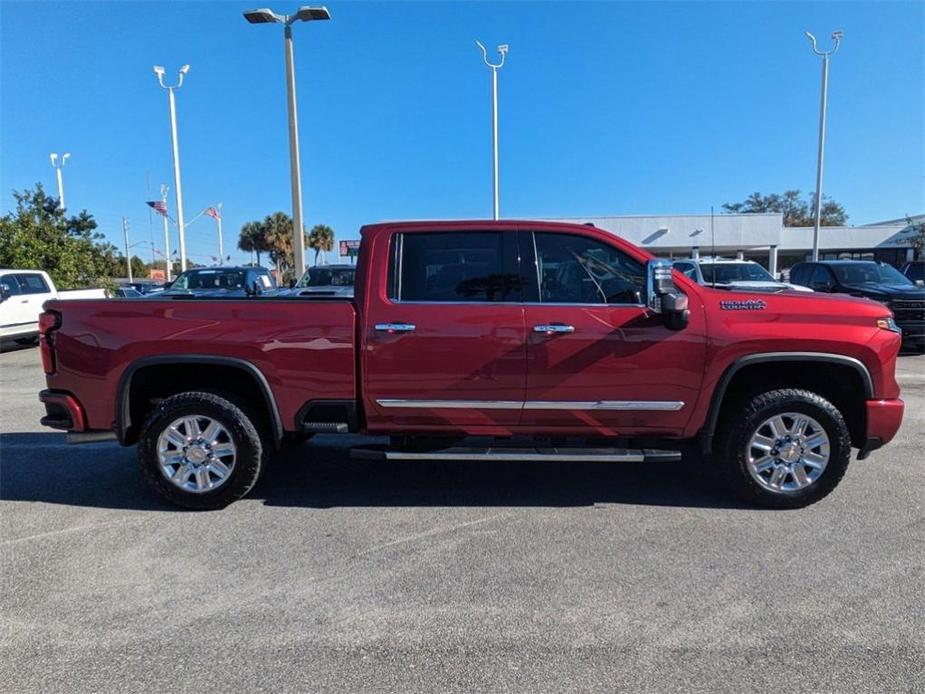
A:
<point x="49" y="321"/>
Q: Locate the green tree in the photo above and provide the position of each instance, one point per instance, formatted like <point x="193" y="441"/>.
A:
<point x="38" y="235"/>
<point x="915" y="234"/>
<point x="321" y="240"/>
<point x="797" y="210"/>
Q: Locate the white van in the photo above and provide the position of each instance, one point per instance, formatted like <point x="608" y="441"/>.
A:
<point x="22" y="293"/>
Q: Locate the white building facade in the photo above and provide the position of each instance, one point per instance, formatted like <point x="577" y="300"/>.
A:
<point x="760" y="237"/>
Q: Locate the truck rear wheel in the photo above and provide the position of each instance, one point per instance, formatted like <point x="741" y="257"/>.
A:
<point x="788" y="449"/>
<point x="200" y="451"/>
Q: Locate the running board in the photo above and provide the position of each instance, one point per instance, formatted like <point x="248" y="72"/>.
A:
<point x="527" y="454"/>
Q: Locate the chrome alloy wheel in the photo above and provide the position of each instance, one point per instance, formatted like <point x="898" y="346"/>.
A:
<point x="788" y="452"/>
<point x="196" y="453"/>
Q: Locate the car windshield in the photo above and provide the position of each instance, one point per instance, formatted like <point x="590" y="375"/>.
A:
<point x="327" y="277"/>
<point x="211" y="279"/>
<point x="869" y="273"/>
<point x="724" y="273"/>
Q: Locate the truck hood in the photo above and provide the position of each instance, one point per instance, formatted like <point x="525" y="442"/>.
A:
<point x="759" y="286"/>
<point x="796" y="303"/>
<point x="885" y="292"/>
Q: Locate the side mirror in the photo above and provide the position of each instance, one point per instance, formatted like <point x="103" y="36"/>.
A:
<point x="664" y="297"/>
<point x="4" y="292"/>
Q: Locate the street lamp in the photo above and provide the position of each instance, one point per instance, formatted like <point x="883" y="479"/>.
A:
<point x="823" y="102"/>
<point x="303" y="14"/>
<point x="159" y="71"/>
<point x="502" y="51"/>
<point x="58" y="166"/>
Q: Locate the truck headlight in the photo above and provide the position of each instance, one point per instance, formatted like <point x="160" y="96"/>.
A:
<point x="889" y="324"/>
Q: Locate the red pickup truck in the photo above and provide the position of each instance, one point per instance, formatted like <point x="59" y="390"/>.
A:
<point x="512" y="340"/>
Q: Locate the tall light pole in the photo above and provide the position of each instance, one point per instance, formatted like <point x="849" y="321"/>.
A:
<point x="58" y="166"/>
<point x="304" y="14"/>
<point x="823" y="103"/>
<point x="502" y="51"/>
<point x="159" y="71"/>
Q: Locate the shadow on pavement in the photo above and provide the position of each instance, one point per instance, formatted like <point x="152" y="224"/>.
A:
<point x="41" y="467"/>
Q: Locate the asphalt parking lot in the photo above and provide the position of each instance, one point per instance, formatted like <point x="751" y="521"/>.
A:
<point x="339" y="575"/>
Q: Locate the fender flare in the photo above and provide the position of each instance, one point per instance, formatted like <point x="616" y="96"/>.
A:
<point x="719" y="393"/>
<point x="123" y="409"/>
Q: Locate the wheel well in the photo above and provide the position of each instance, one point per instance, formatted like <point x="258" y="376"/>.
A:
<point x="840" y="384"/>
<point x="148" y="385"/>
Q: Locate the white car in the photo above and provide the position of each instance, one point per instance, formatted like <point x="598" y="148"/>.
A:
<point x="728" y="273"/>
<point x="22" y="293"/>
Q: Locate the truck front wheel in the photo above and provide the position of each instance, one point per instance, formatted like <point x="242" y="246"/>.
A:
<point x="788" y="449"/>
<point x="200" y="451"/>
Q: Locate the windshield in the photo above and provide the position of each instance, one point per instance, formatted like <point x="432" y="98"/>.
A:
<point x="327" y="277"/>
<point x="724" y="273"/>
<point x="211" y="279"/>
<point x="869" y="273"/>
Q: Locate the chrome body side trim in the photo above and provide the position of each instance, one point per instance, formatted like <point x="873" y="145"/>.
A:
<point x="629" y="405"/>
<point x="653" y="405"/>
<point x="451" y="404"/>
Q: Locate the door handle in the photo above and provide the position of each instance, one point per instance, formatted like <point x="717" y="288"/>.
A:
<point x="395" y="327"/>
<point x="553" y="328"/>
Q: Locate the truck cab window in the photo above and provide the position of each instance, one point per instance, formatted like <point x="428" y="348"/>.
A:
<point x="578" y="270"/>
<point x="455" y="267"/>
<point x="32" y="284"/>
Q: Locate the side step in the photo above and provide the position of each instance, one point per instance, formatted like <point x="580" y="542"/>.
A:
<point x="325" y="427"/>
<point x="522" y="454"/>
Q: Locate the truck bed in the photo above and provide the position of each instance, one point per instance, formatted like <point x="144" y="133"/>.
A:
<point x="304" y="349"/>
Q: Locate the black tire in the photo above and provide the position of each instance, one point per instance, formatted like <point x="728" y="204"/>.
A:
<point x="733" y="438"/>
<point x="251" y="452"/>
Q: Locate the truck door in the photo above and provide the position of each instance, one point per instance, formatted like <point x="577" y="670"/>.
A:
<point x="598" y="361"/>
<point x="444" y="336"/>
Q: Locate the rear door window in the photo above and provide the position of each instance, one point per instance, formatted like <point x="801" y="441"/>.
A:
<point x="31" y="283"/>
<point x="477" y="266"/>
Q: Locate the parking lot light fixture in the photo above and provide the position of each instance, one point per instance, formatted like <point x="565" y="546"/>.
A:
<point x="823" y="103"/>
<point x="181" y="227"/>
<point x="58" y="165"/>
<point x="303" y="14"/>
<point x="502" y="51"/>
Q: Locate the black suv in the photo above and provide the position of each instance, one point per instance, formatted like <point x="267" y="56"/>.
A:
<point x="220" y="282"/>
<point x="877" y="281"/>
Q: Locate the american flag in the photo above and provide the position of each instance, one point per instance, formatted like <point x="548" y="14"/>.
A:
<point x="213" y="213"/>
<point x="158" y="206"/>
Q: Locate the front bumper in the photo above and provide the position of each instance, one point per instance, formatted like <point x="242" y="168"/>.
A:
<point x="883" y="420"/>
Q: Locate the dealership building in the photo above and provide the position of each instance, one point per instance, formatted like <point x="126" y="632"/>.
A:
<point x="759" y="237"/>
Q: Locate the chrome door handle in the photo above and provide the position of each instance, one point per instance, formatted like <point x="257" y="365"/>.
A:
<point x="395" y="327"/>
<point x="553" y="328"/>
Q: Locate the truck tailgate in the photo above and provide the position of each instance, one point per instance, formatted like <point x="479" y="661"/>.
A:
<point x="303" y="348"/>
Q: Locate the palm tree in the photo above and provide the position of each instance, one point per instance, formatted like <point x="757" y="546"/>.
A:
<point x="321" y="239"/>
<point x="279" y="240"/>
<point x="253" y="239"/>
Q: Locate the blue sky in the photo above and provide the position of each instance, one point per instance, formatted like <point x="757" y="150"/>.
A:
<point x="606" y="108"/>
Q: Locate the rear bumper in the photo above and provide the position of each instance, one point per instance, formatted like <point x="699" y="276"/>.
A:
<point x="883" y="420"/>
<point x="62" y="411"/>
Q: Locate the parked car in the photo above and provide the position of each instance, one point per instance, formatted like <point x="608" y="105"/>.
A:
<point x="128" y="293"/>
<point x="878" y="281"/>
<point x="549" y="341"/>
<point x="22" y="293"/>
<point x="728" y="273"/>
<point x="915" y="271"/>
<point x="221" y="282"/>
<point x="327" y="280"/>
